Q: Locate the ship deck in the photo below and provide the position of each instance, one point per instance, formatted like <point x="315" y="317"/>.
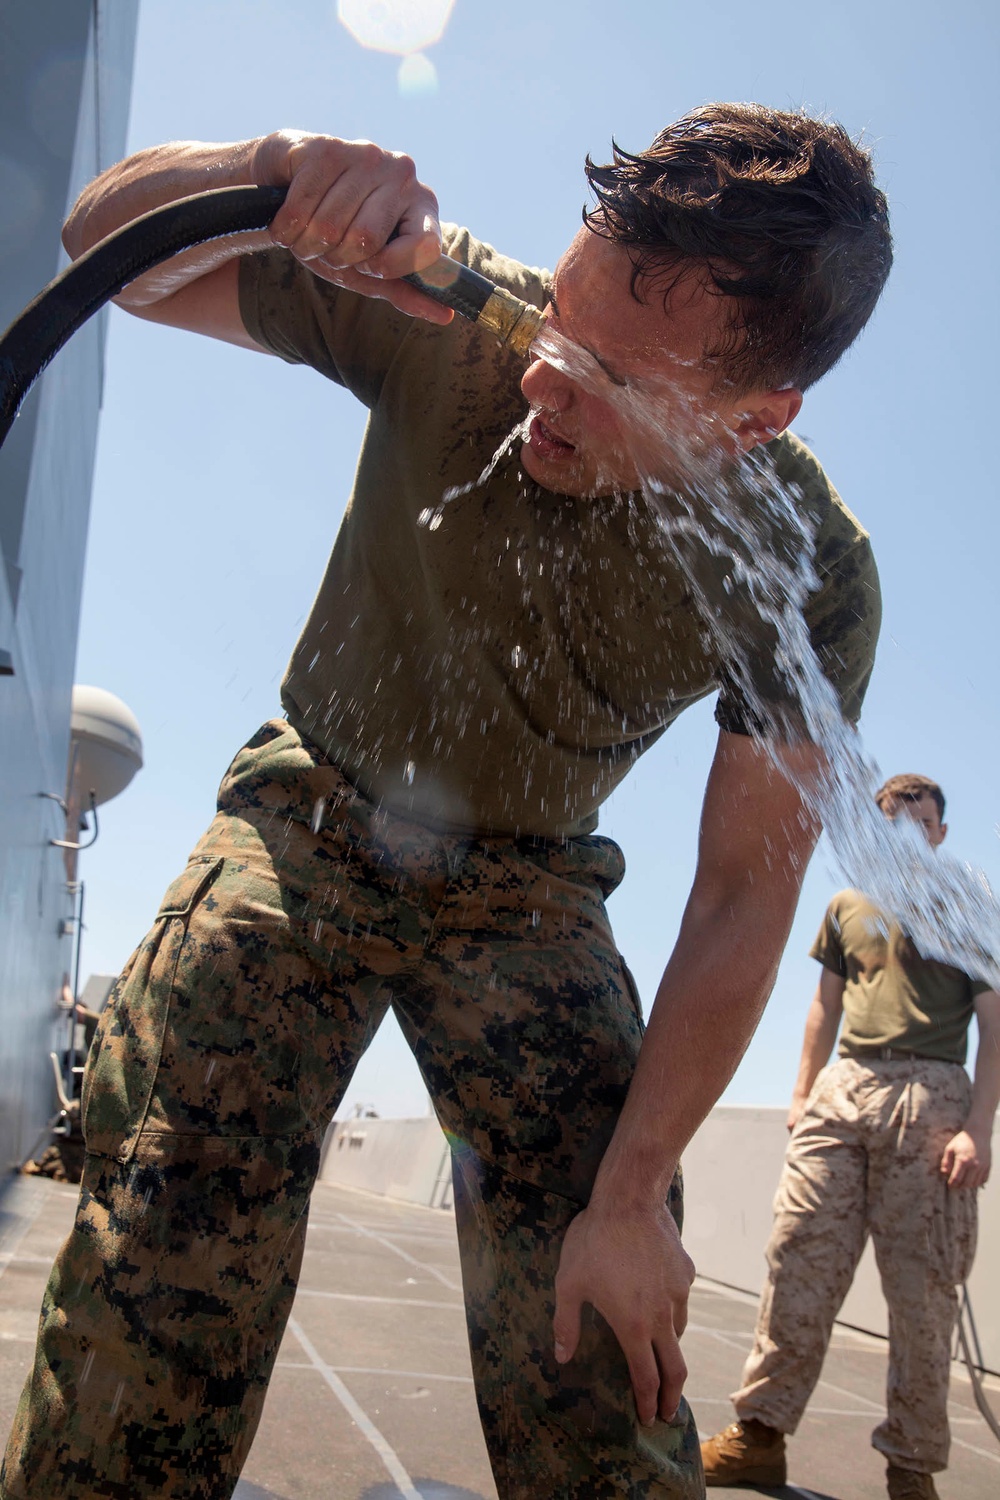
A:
<point x="372" y="1394"/>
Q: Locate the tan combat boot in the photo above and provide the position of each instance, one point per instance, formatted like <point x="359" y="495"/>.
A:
<point x="907" y="1484"/>
<point x="745" y="1453"/>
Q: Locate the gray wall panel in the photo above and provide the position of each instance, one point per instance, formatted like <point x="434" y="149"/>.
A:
<point x="65" y="73"/>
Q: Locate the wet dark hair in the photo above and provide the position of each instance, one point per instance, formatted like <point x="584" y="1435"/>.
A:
<point x="909" y="787"/>
<point x="782" y="211"/>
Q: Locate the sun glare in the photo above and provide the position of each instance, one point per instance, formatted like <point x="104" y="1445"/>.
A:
<point x="403" y="27"/>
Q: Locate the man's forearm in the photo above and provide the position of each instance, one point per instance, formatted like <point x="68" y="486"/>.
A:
<point x="150" y="179"/>
<point x="756" y="840"/>
<point x="985" y="1083"/>
<point x="967" y="1157"/>
<point x="822" y="1023"/>
<point x="622" y="1253"/>
<point x="707" y="1008"/>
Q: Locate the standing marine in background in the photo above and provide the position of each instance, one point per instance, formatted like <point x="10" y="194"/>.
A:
<point x="891" y="1140"/>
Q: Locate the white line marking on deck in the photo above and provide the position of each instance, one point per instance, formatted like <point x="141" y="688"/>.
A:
<point x="11" y="1258"/>
<point x="853" y="1395"/>
<point x="971" y="1448"/>
<point x="732" y="1293"/>
<point x="393" y="1467"/>
<point x="13" y="1235"/>
<point x="306" y="1291"/>
<point x="813" y="1411"/>
<point x="295" y="1364"/>
<point x="421" y="1265"/>
<point x="722" y="1335"/>
<point x="430" y="1236"/>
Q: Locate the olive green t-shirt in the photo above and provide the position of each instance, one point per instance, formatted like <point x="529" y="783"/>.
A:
<point x="892" y="996"/>
<point x="501" y="668"/>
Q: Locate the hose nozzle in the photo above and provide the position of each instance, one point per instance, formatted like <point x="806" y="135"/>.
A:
<point x="474" y="297"/>
<point x="515" y="323"/>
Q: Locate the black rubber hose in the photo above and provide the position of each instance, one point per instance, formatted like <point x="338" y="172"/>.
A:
<point x="34" y="338"/>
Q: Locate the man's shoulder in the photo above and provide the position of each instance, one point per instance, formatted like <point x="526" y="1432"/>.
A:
<point x="845" y="609"/>
<point x="838" y="529"/>
<point x="864" y="928"/>
<point x="852" y="902"/>
<point x="530" y="283"/>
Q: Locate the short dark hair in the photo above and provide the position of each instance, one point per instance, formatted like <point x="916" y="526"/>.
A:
<point x="909" y="787"/>
<point x="782" y="211"/>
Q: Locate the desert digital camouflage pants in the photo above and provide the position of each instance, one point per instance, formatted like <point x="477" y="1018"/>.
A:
<point x="303" y="914"/>
<point x="864" y="1159"/>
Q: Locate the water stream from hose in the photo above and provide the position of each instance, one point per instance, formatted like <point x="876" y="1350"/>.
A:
<point x="744" y="540"/>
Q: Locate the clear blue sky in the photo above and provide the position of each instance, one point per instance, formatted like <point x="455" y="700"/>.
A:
<point x="222" y="475"/>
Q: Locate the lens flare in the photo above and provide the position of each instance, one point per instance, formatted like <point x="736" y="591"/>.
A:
<point x="417" y="75"/>
<point x="405" y="27"/>
<point x="395" y="25"/>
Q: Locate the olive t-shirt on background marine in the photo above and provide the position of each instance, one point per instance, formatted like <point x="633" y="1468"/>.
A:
<point x="892" y="996"/>
<point x="500" y="668"/>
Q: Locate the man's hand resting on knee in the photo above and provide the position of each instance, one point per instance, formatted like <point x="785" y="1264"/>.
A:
<point x="634" y="1270"/>
<point x="623" y="1254"/>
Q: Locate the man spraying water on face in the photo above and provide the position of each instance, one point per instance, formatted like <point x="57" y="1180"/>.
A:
<point x="419" y="830"/>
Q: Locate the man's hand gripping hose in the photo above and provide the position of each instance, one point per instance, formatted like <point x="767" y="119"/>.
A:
<point x="37" y="335"/>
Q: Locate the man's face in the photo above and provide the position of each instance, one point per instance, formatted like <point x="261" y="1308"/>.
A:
<point x="924" y="812"/>
<point x="583" y="440"/>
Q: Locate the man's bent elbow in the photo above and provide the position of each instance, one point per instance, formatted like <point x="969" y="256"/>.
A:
<point x="78" y="232"/>
<point x="72" y="234"/>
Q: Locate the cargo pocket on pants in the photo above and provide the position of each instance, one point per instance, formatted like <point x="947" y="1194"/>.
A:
<point x="125" y="1054"/>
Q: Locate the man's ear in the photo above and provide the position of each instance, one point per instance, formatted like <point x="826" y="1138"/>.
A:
<point x="770" y="414"/>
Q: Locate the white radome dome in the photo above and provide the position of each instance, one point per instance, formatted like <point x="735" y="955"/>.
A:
<point x="105" y="744"/>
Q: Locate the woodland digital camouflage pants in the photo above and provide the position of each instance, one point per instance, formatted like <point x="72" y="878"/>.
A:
<point x="864" y="1159"/>
<point x="303" y="914"/>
